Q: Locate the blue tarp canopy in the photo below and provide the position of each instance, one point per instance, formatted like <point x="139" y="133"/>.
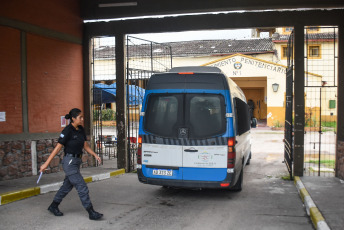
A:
<point x="107" y="94"/>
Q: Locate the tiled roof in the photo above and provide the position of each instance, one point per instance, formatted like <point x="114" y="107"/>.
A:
<point x="221" y="47"/>
<point x="311" y="36"/>
<point x="193" y="48"/>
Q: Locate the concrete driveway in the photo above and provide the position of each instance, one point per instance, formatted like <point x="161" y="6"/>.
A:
<point x="266" y="201"/>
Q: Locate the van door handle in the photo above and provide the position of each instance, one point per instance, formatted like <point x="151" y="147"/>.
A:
<point x="192" y="150"/>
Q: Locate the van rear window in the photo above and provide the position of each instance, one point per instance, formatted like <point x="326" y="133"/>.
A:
<point x="163" y="114"/>
<point x="202" y="115"/>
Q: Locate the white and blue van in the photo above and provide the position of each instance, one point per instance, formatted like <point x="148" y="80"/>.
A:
<point x="194" y="130"/>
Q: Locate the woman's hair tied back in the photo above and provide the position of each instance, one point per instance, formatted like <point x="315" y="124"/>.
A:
<point x="73" y="113"/>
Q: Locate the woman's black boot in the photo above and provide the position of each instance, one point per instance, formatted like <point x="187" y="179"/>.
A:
<point x="93" y="214"/>
<point x="54" y="209"/>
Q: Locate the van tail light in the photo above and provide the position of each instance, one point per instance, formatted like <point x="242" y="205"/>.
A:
<point x="139" y="151"/>
<point x="231" y="153"/>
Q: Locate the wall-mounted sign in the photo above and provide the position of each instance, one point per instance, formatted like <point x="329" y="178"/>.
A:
<point x="63" y="121"/>
<point x="2" y="116"/>
<point x="240" y="62"/>
<point x="237" y="65"/>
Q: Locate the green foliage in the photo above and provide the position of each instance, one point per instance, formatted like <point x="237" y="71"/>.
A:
<point x="326" y="163"/>
<point x="287" y="177"/>
<point x="277" y="124"/>
<point x="331" y="124"/>
<point x="107" y="115"/>
<point x="310" y="121"/>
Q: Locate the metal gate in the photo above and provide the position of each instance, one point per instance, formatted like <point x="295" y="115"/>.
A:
<point x="288" y="133"/>
<point x="143" y="59"/>
<point x="103" y="101"/>
<point x="321" y="58"/>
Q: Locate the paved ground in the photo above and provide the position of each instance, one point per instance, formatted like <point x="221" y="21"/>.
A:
<point x="28" y="182"/>
<point x="266" y="202"/>
<point x="328" y="195"/>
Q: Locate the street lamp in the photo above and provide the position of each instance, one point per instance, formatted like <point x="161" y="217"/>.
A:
<point x="275" y="87"/>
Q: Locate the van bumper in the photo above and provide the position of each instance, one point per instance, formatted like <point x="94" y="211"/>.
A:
<point x="187" y="183"/>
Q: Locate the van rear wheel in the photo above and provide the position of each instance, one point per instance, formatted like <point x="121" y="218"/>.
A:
<point x="238" y="186"/>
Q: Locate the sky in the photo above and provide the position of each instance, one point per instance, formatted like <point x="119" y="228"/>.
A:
<point x="196" y="35"/>
<point x="187" y="36"/>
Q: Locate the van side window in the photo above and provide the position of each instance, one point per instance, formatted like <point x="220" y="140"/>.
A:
<point x="242" y="116"/>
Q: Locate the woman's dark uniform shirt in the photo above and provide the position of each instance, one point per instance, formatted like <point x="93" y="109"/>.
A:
<point x="72" y="139"/>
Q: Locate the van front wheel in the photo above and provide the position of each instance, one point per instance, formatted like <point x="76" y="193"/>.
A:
<point x="238" y="186"/>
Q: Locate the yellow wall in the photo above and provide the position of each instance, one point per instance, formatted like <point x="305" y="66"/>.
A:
<point x="312" y="117"/>
<point x="276" y="116"/>
<point x="329" y="118"/>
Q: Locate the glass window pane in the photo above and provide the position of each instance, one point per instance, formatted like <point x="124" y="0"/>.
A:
<point x="285" y="52"/>
<point x="161" y="116"/>
<point x="314" y="51"/>
<point x="206" y="115"/>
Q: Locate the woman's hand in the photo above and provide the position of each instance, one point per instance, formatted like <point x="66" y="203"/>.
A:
<point x="99" y="159"/>
<point x="52" y="155"/>
<point x="43" y="167"/>
<point x="90" y="151"/>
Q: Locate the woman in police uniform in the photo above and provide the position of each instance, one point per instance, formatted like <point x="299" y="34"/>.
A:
<point x="73" y="138"/>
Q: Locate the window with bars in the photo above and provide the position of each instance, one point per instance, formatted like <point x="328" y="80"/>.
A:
<point x="314" y="51"/>
<point x="284" y="52"/>
<point x="287" y="29"/>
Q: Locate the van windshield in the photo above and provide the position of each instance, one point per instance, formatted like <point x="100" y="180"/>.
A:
<point x="201" y="115"/>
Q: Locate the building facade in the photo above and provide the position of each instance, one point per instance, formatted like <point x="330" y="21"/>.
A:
<point x="257" y="65"/>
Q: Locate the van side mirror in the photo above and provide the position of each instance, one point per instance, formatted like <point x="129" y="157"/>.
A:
<point x="254" y="122"/>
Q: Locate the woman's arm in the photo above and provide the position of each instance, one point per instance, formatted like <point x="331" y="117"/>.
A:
<point x="52" y="155"/>
<point x="90" y="151"/>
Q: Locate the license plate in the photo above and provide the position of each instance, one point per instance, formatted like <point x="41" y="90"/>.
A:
<point x="162" y="172"/>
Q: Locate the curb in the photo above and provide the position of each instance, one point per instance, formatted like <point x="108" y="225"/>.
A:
<point x="10" y="197"/>
<point x="311" y="209"/>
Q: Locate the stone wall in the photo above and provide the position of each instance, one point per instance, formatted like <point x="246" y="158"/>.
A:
<point x="340" y="160"/>
<point x="16" y="158"/>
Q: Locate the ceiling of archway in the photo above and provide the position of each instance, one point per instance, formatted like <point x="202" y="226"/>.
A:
<point x="106" y="9"/>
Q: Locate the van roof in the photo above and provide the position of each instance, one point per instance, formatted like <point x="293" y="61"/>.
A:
<point x="202" y="77"/>
<point x="187" y="80"/>
<point x="196" y="69"/>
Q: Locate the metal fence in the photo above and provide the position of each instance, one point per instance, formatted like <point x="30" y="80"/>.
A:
<point x="143" y="59"/>
<point x="321" y="58"/>
<point x="103" y="107"/>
